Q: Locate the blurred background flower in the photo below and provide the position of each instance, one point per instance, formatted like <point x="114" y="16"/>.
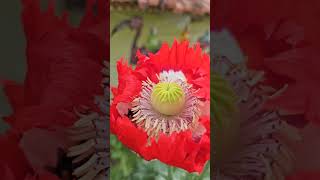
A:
<point x="57" y="54"/>
<point x="276" y="42"/>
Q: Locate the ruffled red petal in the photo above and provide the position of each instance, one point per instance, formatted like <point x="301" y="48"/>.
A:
<point x="14" y="93"/>
<point x="180" y="57"/>
<point x="178" y="149"/>
<point x="12" y="158"/>
<point x="129" y="85"/>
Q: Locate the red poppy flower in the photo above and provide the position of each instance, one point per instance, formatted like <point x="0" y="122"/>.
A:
<point x="63" y="66"/>
<point x="156" y="110"/>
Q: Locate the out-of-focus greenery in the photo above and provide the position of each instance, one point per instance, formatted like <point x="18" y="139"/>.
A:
<point x="125" y="164"/>
<point x="169" y="27"/>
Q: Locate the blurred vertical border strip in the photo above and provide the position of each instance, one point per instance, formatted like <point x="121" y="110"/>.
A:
<point x="211" y="59"/>
<point x="108" y="56"/>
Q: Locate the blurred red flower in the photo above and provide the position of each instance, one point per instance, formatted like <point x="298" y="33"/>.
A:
<point x="281" y="39"/>
<point x="181" y="139"/>
<point x="64" y="66"/>
<point x="62" y="72"/>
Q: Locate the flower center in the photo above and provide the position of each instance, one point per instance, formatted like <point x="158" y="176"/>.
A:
<point x="169" y="106"/>
<point x="168" y="98"/>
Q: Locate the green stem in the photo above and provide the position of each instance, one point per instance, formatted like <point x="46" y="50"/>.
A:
<point x="170" y="177"/>
<point x="192" y="177"/>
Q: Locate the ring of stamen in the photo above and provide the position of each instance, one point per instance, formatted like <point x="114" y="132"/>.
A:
<point x="166" y="107"/>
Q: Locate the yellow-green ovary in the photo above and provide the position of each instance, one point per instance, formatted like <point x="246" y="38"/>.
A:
<point x="168" y="98"/>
